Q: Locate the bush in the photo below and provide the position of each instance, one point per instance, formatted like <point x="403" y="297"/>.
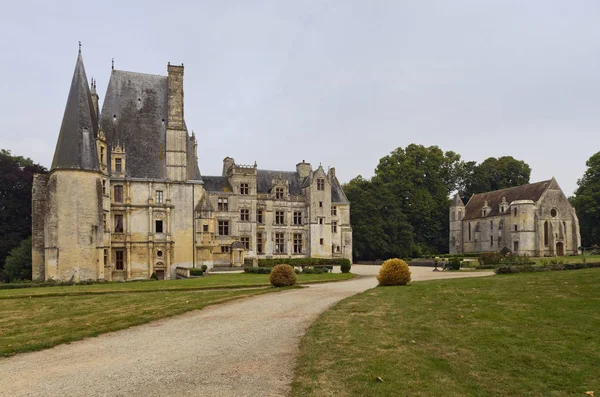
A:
<point x="154" y="277"/>
<point x="394" y="272"/>
<point x="314" y="270"/>
<point x="455" y="263"/>
<point x="490" y="258"/>
<point x="345" y="267"/>
<point x="282" y="276"/>
<point x="257" y="270"/>
<point x="204" y="268"/>
<point x="18" y="262"/>
<point x="196" y="272"/>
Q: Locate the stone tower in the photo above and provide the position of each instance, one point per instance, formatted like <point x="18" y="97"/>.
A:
<point x="457" y="211"/>
<point x="71" y="195"/>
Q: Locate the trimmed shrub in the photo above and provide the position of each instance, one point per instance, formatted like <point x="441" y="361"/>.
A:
<point x="282" y="276"/>
<point x="345" y="267"/>
<point x="314" y="270"/>
<point x="204" y="268"/>
<point x="154" y="277"/>
<point x="394" y="272"/>
<point x="196" y="272"/>
<point x="257" y="270"/>
<point x="454" y="263"/>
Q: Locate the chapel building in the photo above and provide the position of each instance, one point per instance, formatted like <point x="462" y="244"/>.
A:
<point x="124" y="197"/>
<point x="534" y="219"/>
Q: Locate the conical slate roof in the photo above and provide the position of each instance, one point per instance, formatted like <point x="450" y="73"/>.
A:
<point x="76" y="146"/>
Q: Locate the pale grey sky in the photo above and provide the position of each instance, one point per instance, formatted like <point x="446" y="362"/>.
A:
<point x="337" y="82"/>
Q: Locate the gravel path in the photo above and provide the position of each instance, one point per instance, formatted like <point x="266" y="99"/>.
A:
<point x="242" y="348"/>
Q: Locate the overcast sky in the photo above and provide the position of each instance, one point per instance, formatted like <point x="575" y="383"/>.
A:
<point x="338" y="82"/>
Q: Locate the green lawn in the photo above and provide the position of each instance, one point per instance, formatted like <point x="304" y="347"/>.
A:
<point x="38" y="318"/>
<point x="33" y="324"/>
<point x="213" y="281"/>
<point x="534" y="334"/>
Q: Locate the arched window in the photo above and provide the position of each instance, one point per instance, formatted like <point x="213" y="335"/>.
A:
<point x="459" y="215"/>
<point x="452" y="215"/>
<point x="469" y="231"/>
<point x="546" y="233"/>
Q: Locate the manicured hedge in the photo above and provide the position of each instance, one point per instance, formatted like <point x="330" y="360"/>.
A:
<point x="257" y="270"/>
<point x="196" y="272"/>
<point x="544" y="268"/>
<point x="300" y="262"/>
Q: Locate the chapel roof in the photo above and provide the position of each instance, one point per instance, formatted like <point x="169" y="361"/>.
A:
<point x="532" y="191"/>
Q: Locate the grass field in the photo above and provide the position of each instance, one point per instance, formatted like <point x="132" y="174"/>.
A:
<point x="535" y="334"/>
<point x="38" y="318"/>
<point x="213" y="281"/>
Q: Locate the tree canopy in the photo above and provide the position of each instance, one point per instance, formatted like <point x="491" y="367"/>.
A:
<point x="587" y="202"/>
<point x="16" y="177"/>
<point x="403" y="210"/>
<point x="492" y="174"/>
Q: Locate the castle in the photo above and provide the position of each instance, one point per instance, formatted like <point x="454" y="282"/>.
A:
<point x="124" y="197"/>
<point x="534" y="219"/>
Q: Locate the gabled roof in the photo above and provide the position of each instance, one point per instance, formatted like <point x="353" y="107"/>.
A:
<point x="532" y="191"/>
<point x="76" y="145"/>
<point x="135" y="115"/>
<point x="264" y="181"/>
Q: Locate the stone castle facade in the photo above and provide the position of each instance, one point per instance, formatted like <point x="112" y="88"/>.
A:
<point x="534" y="219"/>
<point x="125" y="198"/>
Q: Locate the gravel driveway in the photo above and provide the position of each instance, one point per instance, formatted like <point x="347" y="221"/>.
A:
<point x="242" y="348"/>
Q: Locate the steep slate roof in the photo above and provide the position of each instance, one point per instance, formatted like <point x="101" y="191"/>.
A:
<point x="532" y="191"/>
<point x="216" y="184"/>
<point x="76" y="145"/>
<point x="134" y="114"/>
<point x="264" y="180"/>
<point x="337" y="193"/>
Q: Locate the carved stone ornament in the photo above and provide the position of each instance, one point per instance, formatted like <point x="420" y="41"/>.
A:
<point x="159" y="215"/>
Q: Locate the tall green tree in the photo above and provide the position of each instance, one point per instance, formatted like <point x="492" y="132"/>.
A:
<point x="379" y="227"/>
<point x="587" y="202"/>
<point x="420" y="180"/>
<point x="16" y="177"/>
<point x="492" y="174"/>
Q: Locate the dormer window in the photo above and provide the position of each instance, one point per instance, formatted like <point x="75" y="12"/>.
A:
<point x="484" y="212"/>
<point x="279" y="192"/>
<point x="320" y="184"/>
<point x="102" y="155"/>
<point x="118" y="165"/>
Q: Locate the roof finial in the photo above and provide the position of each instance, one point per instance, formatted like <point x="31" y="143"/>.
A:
<point x="80" y="47"/>
<point x="112" y="64"/>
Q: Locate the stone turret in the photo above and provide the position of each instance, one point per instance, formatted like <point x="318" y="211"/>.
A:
<point x="303" y="169"/>
<point x="457" y="211"/>
<point x="71" y="195"/>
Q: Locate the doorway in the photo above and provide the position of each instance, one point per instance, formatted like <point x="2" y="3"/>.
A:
<point x="560" y="249"/>
<point x="160" y="274"/>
